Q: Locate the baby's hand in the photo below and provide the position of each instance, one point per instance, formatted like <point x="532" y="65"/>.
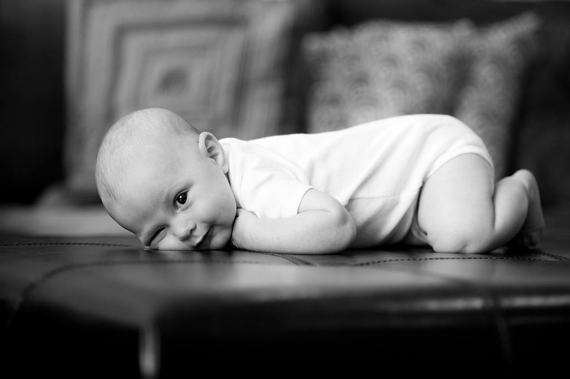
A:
<point x="239" y="232"/>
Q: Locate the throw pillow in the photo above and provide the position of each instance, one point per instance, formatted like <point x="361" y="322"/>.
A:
<point x="384" y="68"/>
<point x="488" y="103"/>
<point x="220" y="64"/>
<point x="381" y="69"/>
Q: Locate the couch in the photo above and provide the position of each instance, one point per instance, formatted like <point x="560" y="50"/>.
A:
<point x="81" y="298"/>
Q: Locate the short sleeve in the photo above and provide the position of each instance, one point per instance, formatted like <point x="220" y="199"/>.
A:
<point x="264" y="183"/>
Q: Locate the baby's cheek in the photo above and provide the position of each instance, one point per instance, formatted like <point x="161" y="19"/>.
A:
<point x="225" y="239"/>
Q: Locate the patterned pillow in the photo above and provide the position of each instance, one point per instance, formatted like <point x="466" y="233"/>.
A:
<point x="382" y="68"/>
<point x="220" y="64"/>
<point x="488" y="102"/>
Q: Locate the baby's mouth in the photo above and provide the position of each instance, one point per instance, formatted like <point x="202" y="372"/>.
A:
<point x="203" y="240"/>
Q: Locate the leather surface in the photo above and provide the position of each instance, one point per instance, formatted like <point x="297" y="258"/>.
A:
<point x="107" y="303"/>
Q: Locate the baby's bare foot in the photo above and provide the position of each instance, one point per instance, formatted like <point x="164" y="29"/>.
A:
<point x="531" y="231"/>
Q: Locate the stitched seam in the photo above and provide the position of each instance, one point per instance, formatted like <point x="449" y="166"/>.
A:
<point x="551" y="255"/>
<point x="63" y="244"/>
<point x="36" y="283"/>
<point x="395" y="260"/>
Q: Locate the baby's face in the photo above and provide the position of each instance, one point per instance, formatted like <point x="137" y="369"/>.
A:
<point x="181" y="200"/>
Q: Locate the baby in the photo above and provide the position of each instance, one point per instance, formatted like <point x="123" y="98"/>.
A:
<point x="417" y="180"/>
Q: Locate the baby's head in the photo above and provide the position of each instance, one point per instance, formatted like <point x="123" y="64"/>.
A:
<point x="164" y="181"/>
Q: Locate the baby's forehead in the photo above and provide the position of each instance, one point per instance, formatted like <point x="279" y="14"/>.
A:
<point x="154" y="144"/>
<point x="158" y="161"/>
<point x="152" y="159"/>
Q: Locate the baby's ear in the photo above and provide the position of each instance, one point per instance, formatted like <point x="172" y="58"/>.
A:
<point x="210" y="147"/>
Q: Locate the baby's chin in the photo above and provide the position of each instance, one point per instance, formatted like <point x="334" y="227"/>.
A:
<point x="220" y="240"/>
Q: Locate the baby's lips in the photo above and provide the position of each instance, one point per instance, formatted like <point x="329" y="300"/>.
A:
<point x="202" y="240"/>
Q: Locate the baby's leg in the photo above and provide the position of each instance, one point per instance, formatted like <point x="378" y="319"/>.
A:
<point x="531" y="231"/>
<point x="461" y="210"/>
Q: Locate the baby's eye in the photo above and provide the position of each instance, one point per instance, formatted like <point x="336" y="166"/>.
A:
<point x="181" y="198"/>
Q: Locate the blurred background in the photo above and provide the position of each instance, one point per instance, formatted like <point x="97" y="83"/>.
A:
<point x="32" y="38"/>
<point x="250" y="68"/>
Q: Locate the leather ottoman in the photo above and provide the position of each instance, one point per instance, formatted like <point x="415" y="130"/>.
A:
<point x="107" y="307"/>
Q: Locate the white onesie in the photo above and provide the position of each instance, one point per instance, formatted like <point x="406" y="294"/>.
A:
<point x="376" y="170"/>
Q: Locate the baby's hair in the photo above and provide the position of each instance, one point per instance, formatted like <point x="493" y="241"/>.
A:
<point x="129" y="136"/>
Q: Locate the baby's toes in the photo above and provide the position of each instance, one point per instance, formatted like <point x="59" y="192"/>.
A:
<point x="532" y="237"/>
<point x="526" y="238"/>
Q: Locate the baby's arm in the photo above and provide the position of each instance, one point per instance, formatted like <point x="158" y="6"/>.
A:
<point x="322" y="225"/>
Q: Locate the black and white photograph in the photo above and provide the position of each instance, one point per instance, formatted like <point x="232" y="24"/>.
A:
<point x="218" y="187"/>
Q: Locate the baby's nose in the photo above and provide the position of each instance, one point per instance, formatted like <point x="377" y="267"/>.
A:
<point x="182" y="231"/>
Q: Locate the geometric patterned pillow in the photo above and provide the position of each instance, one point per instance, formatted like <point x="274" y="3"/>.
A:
<point x="219" y="64"/>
